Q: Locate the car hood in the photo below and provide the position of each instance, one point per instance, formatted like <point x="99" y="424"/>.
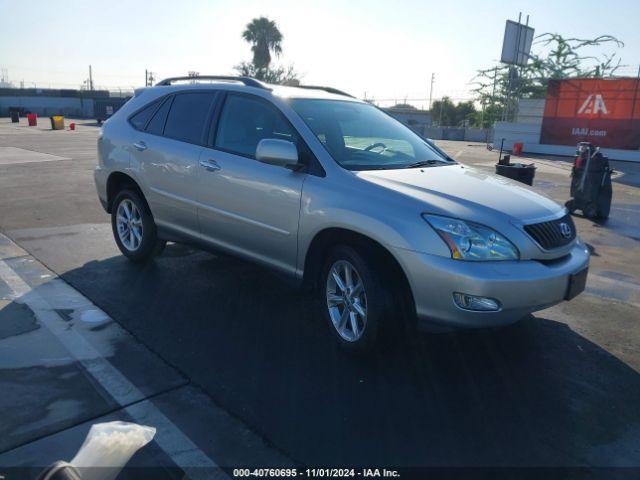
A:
<point x="465" y="192"/>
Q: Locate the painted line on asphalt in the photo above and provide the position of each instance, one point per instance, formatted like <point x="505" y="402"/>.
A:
<point x="183" y="452"/>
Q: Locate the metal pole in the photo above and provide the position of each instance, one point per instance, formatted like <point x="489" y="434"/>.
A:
<point x="90" y="78"/>
<point x="493" y="92"/>
<point x="433" y="76"/>
<point x="635" y="95"/>
<point x="146" y="78"/>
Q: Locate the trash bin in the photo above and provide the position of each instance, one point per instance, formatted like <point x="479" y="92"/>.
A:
<point x="516" y="171"/>
<point x="32" y="118"/>
<point x="591" y="189"/>
<point x="57" y="122"/>
<point x="15" y="116"/>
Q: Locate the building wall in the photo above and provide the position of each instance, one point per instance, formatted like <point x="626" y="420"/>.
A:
<point x="526" y="130"/>
<point x="47" y="106"/>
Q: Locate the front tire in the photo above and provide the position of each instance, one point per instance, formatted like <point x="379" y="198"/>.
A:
<point x="352" y="298"/>
<point x="133" y="227"/>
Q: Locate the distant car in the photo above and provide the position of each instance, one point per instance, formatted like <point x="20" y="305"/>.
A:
<point x="338" y="196"/>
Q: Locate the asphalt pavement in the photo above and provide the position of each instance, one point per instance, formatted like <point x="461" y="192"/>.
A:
<point x="559" y="388"/>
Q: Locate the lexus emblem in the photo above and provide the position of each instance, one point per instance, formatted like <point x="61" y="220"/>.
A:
<point x="565" y="230"/>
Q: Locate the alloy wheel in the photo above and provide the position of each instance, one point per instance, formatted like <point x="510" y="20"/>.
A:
<point x="346" y="300"/>
<point x="129" y="225"/>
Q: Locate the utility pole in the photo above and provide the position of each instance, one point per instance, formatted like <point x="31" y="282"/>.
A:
<point x="146" y="77"/>
<point x="90" y="78"/>
<point x="433" y="77"/>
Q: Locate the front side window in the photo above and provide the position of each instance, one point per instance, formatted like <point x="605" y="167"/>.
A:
<point x="188" y="116"/>
<point x="245" y="121"/>
<point x="360" y="137"/>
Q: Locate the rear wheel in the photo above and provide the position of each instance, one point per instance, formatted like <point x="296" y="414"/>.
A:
<point x="352" y="297"/>
<point x="133" y="227"/>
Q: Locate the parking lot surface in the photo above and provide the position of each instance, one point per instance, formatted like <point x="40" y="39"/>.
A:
<point x="227" y="357"/>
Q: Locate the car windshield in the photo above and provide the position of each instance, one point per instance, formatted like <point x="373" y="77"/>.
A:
<point x="359" y="136"/>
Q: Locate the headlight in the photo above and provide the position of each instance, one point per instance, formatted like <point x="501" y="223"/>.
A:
<point x="470" y="241"/>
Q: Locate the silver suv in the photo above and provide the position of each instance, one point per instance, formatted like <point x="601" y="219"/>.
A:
<point x="338" y="196"/>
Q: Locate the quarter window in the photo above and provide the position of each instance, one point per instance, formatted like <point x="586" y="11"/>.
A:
<point x="188" y="116"/>
<point x="140" y="119"/>
<point x="156" y="125"/>
<point x="245" y="121"/>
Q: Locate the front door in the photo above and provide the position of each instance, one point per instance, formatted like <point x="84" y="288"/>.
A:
<point x="246" y="206"/>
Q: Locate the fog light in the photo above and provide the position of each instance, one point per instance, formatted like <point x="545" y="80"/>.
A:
<point x="471" y="302"/>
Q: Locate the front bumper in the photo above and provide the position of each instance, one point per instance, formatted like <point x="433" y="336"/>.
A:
<point x="521" y="287"/>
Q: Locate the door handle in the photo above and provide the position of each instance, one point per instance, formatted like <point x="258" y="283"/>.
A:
<point x="210" y="165"/>
<point x="140" y="146"/>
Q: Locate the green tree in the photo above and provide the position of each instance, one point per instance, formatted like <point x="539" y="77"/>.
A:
<point x="498" y="89"/>
<point x="265" y="37"/>
<point x="277" y="75"/>
<point x="446" y="113"/>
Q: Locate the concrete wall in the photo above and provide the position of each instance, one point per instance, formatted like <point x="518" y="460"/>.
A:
<point x="410" y="117"/>
<point x="526" y="130"/>
<point x="458" y="133"/>
<point x="46" y="106"/>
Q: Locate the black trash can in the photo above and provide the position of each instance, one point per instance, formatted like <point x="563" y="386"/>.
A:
<point x="15" y="116"/>
<point x="591" y="189"/>
<point x="517" y="171"/>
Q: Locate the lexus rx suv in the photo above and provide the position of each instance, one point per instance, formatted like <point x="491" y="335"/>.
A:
<point x="339" y="197"/>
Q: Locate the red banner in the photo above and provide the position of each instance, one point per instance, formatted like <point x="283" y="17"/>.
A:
<point x="603" y="112"/>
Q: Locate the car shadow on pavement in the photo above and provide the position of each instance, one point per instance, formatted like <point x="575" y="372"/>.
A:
<point x="533" y="394"/>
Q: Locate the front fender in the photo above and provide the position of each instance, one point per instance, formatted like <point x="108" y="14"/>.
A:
<point x="392" y="222"/>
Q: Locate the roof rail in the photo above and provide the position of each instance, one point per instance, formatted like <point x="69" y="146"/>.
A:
<point x="249" y="82"/>
<point x="326" y="89"/>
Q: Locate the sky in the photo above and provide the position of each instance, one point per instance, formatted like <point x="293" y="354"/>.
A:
<point x="386" y="50"/>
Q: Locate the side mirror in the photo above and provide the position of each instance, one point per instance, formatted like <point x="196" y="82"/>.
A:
<point x="278" y="152"/>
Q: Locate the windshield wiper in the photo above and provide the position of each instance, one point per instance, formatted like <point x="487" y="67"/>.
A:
<point x="424" y="163"/>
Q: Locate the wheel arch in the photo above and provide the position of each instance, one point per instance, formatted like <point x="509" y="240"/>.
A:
<point x="327" y="238"/>
<point x="117" y="182"/>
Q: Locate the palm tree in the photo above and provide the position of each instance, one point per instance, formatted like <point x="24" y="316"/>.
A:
<point x="265" y="38"/>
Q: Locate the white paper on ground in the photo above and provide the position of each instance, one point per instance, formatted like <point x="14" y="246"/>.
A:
<point x="110" y="446"/>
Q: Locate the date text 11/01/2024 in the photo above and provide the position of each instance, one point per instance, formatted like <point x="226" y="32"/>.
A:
<point x="316" y="472"/>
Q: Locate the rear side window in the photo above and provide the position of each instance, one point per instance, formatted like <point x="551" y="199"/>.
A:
<point x="156" y="125"/>
<point x="245" y="121"/>
<point x="188" y="115"/>
<point x="140" y="119"/>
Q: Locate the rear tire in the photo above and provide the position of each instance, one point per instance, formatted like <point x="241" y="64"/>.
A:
<point x="134" y="229"/>
<point x="352" y="298"/>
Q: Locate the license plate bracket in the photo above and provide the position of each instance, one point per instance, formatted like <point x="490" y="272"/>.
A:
<point x="577" y="284"/>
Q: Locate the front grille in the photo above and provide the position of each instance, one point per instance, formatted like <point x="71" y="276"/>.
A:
<point x="554" y="233"/>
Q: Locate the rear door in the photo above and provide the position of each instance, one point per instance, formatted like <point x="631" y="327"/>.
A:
<point x="244" y="205"/>
<point x="167" y="151"/>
